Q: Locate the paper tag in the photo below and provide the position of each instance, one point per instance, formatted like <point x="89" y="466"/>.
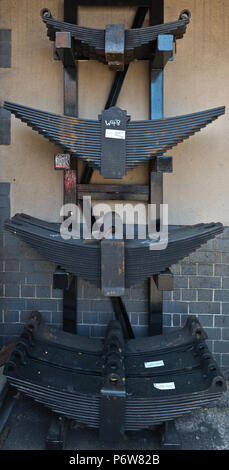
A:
<point x="148" y="365"/>
<point x="115" y="134"/>
<point x="165" y="386"/>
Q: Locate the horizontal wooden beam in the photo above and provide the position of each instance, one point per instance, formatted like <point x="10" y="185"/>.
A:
<point x="131" y="192"/>
<point x="114" y="3"/>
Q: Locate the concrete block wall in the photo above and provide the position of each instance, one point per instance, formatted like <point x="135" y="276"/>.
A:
<point x="201" y="287"/>
<point x="25" y="281"/>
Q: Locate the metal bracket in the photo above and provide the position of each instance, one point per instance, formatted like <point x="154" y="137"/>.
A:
<point x="163" y="164"/>
<point x="164" y="280"/>
<point x="170" y="438"/>
<point x="8" y="400"/>
<point x="61" y="279"/>
<point x="164" y="51"/>
<point x="115" y="46"/>
<point x="113" y="268"/>
<point x="64" y="48"/>
<point x="113" y="392"/>
<point x="113" y="152"/>
<point x="57" y="433"/>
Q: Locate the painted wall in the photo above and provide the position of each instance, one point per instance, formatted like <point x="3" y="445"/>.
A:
<point x="198" y="190"/>
<point x="197" y="79"/>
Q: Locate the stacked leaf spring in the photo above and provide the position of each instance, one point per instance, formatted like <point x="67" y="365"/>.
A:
<point x="154" y="379"/>
<point x="166" y="376"/>
<point x="84" y="259"/>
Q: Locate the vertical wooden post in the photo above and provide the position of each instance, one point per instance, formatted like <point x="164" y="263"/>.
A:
<point x="70" y="176"/>
<point x="156" y="178"/>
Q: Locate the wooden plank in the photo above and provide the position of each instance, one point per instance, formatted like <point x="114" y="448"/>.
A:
<point x="114" y="197"/>
<point x="116" y="3"/>
<point x="127" y="192"/>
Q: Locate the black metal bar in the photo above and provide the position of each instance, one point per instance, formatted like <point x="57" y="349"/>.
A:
<point x="155" y="309"/>
<point x="156" y="178"/>
<point x="156" y="12"/>
<point x="7" y="406"/>
<point x="70" y="11"/>
<point x="170" y="438"/>
<point x="70" y="307"/>
<point x="5" y="48"/>
<point x="70" y="72"/>
<point x="86" y="175"/>
<point x="5" y="127"/>
<point x="155" y="295"/>
<point x="57" y="433"/>
<point x="122" y="316"/>
<point x="70" y="176"/>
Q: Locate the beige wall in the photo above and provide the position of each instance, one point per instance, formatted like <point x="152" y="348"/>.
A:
<point x="197" y="79"/>
<point x="198" y="190"/>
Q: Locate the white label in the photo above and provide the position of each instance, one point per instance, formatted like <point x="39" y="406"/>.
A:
<point x="115" y="134"/>
<point x="165" y="386"/>
<point x="113" y="122"/>
<point x="148" y="365"/>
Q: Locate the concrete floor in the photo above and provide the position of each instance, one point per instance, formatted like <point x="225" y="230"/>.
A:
<point x="206" y="429"/>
